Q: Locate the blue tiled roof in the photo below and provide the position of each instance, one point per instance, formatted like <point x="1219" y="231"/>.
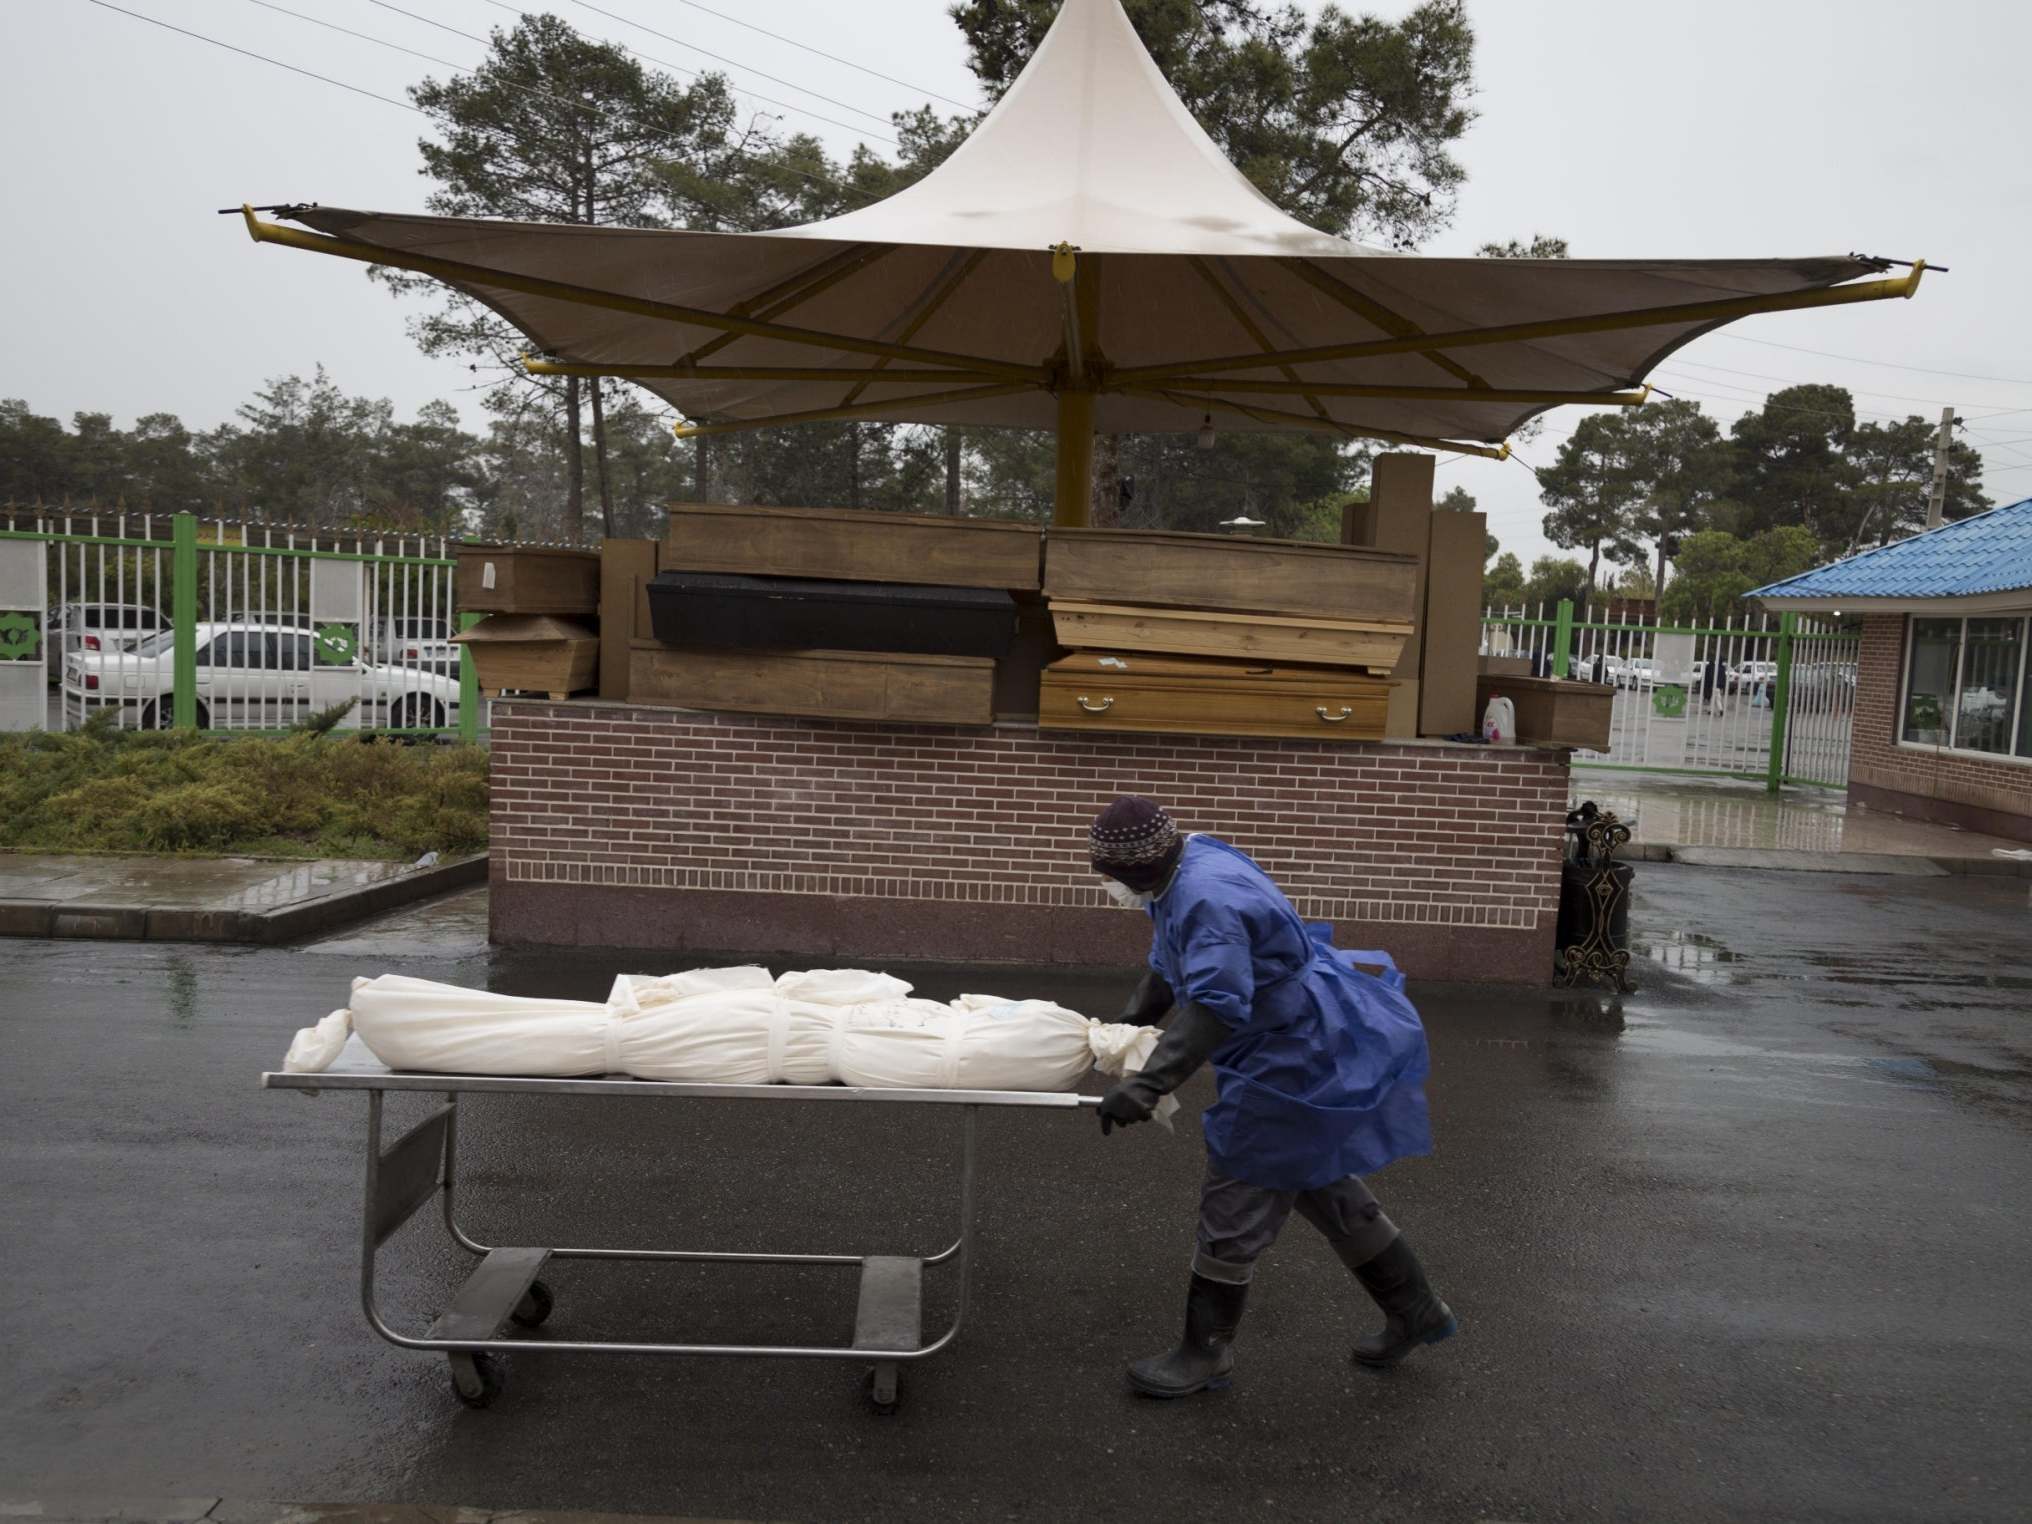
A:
<point x="1990" y="553"/>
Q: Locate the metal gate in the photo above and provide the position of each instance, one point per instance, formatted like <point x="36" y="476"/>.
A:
<point x="1763" y="698"/>
<point x="169" y="620"/>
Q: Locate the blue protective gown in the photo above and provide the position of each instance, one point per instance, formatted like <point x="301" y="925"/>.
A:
<point x="1324" y="1076"/>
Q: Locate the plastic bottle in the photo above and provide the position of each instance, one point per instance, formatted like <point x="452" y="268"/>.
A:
<point x="1499" y="721"/>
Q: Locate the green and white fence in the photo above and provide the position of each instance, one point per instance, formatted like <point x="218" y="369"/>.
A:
<point x="1759" y="697"/>
<point x="171" y="620"/>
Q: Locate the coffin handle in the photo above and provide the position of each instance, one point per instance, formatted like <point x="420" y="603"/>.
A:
<point x="1332" y="719"/>
<point x="1106" y="704"/>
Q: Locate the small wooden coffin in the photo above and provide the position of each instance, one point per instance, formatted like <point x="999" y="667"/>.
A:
<point x="855" y="547"/>
<point x="838" y="685"/>
<point x="527" y="579"/>
<point x="805" y="614"/>
<point x="1552" y="711"/>
<point x="1273" y="638"/>
<point x="1211" y="571"/>
<point x="1091" y="691"/>
<point x="532" y="653"/>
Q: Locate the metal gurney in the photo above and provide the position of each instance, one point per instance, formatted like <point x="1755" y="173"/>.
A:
<point x="504" y="1285"/>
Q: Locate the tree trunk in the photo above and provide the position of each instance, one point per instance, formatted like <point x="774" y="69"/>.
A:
<point x="575" y="462"/>
<point x="952" y="471"/>
<point x="853" y="465"/>
<point x="1594" y="561"/>
<point x="1658" y="581"/>
<point x="600" y="464"/>
<point x="702" y="467"/>
<point x="1106" y="508"/>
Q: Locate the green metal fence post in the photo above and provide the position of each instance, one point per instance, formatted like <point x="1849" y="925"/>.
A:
<point x="469" y="686"/>
<point x="1781" y="696"/>
<point x="183" y="613"/>
<point x="1562" y="638"/>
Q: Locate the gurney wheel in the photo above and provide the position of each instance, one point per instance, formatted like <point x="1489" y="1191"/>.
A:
<point x="476" y="1379"/>
<point x="884" y="1388"/>
<point x="535" y="1305"/>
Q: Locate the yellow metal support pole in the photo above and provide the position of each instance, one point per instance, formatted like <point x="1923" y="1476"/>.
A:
<point x="1278" y="418"/>
<point x="857" y="410"/>
<point x="457" y="272"/>
<point x="1556" y="328"/>
<point x="853" y="375"/>
<point x="1072" y="501"/>
<point x="1311" y="389"/>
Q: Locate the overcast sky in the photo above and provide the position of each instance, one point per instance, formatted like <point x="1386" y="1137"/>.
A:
<point x="1723" y="128"/>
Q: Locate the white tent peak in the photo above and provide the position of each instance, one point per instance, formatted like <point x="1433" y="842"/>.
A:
<point x="1089" y="146"/>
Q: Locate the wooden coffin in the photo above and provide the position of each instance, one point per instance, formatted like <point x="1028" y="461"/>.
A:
<point x="852" y="546"/>
<point x="723" y="610"/>
<point x="1186" y="696"/>
<point x="838" y="685"/>
<point x="1551" y="711"/>
<point x="1211" y="571"/>
<point x="532" y="653"/>
<point x="1274" y="638"/>
<point x="527" y="579"/>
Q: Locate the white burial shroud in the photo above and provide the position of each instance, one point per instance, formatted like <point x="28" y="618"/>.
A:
<point x="738" y="1026"/>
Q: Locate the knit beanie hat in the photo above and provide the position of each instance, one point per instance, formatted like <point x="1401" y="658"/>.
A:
<point x="1133" y="840"/>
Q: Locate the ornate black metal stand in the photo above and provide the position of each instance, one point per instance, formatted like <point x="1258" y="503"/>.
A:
<point x="1596" y="955"/>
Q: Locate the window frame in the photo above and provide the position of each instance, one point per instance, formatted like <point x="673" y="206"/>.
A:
<point x="2020" y="692"/>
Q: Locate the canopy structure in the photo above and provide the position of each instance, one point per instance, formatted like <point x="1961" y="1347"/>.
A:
<point x="1086" y="260"/>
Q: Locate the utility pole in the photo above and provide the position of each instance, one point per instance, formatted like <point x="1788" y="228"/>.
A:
<point x="1936" y="500"/>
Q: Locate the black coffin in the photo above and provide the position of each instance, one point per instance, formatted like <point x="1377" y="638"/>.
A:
<point x="794" y="614"/>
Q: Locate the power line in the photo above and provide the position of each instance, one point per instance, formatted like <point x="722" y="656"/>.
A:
<point x="1796" y="381"/>
<point x="822" y="53"/>
<point x="646" y="58"/>
<point x="731" y="63"/>
<point x="386" y="100"/>
<point x="531" y="90"/>
<point x="333" y="26"/>
<point x="1959" y="375"/>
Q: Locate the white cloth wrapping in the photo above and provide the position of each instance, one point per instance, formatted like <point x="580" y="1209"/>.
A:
<point x="730" y="1026"/>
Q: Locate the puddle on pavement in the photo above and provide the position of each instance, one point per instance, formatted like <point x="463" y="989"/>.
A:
<point x="1701" y="958"/>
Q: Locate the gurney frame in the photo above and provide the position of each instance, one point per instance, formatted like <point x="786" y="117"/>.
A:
<point x="504" y="1286"/>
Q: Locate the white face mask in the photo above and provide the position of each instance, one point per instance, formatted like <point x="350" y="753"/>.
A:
<point x="1124" y="896"/>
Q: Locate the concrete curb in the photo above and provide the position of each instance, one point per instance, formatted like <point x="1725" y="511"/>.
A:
<point x="286" y="923"/>
<point x="1793" y="860"/>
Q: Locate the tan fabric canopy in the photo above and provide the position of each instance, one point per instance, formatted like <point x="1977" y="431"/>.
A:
<point x="1187" y="293"/>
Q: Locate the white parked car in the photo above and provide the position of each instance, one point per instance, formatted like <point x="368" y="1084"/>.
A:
<point x="415" y="641"/>
<point x="73" y="627"/>
<point x="253" y="676"/>
<point x="1749" y="676"/>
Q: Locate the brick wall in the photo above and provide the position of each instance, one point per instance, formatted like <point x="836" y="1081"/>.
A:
<point x="639" y="826"/>
<point x="1936" y="784"/>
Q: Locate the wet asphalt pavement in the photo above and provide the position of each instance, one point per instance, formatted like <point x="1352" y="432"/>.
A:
<point x="1752" y="1246"/>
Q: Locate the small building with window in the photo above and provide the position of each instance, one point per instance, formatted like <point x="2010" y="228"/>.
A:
<point x="1943" y="713"/>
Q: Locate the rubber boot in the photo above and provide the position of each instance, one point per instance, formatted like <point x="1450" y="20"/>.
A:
<point x="1413" y="1313"/>
<point x="1204" y="1357"/>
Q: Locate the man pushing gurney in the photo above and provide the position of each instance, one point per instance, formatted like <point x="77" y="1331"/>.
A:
<point x="1321" y="1072"/>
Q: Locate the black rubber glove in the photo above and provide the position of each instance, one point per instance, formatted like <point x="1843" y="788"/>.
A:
<point x="1187" y="1043"/>
<point x="1147" y="1007"/>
